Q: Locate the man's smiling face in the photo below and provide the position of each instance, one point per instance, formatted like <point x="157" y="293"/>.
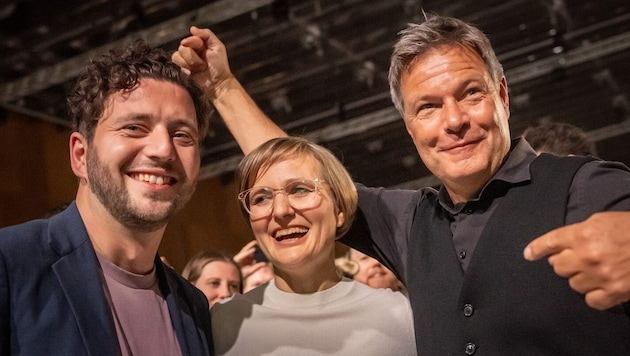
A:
<point x="144" y="160"/>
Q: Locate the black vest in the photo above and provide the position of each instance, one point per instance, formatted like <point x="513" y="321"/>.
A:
<point x="503" y="304"/>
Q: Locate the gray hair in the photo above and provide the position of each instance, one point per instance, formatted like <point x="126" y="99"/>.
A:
<point x="419" y="39"/>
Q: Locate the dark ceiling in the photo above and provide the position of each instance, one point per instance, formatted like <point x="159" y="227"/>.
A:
<point x="319" y="68"/>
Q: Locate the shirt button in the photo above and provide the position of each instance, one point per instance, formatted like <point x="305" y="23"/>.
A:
<point x="469" y="211"/>
<point x="470" y="348"/>
<point x="468" y="310"/>
<point x="462" y="254"/>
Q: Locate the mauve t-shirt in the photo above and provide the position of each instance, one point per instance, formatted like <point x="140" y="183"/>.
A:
<point x="140" y="313"/>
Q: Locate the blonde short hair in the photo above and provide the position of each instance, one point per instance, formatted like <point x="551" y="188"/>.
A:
<point x="283" y="148"/>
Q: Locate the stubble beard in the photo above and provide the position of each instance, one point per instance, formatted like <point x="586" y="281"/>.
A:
<point x="117" y="200"/>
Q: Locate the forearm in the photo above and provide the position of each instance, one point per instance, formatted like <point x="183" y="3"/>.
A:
<point x="246" y="121"/>
<point x="203" y="56"/>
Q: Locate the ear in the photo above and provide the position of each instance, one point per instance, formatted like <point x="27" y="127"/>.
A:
<point x="78" y="154"/>
<point x="505" y="98"/>
<point x="340" y="219"/>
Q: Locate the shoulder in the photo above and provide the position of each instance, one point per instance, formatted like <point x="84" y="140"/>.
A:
<point x="24" y="255"/>
<point x="390" y="308"/>
<point x="598" y="166"/>
<point x="585" y="170"/>
<point x="550" y="161"/>
<point x="381" y="296"/>
<point x="599" y="186"/>
<point x="32" y="226"/>
<point x="23" y="236"/>
<point x="548" y="168"/>
<point x="603" y="174"/>
<point x="62" y="232"/>
<point x="383" y="203"/>
<point x="381" y="193"/>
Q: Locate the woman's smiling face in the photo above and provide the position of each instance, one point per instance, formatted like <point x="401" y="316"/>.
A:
<point x="293" y="239"/>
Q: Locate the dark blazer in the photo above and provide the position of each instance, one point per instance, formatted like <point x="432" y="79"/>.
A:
<point x="52" y="300"/>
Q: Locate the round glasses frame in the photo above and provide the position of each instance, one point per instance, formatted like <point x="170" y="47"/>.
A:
<point x="302" y="193"/>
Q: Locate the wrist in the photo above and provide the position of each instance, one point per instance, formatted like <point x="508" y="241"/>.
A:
<point x="221" y="88"/>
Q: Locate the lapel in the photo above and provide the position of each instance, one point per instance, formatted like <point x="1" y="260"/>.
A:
<point x="168" y="288"/>
<point x="182" y="311"/>
<point x="80" y="278"/>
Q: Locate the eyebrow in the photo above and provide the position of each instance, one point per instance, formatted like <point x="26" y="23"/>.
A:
<point x="132" y="116"/>
<point x="185" y="122"/>
<point x="466" y="83"/>
<point x="177" y="122"/>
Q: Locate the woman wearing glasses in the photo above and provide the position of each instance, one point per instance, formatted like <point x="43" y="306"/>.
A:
<point x="299" y="199"/>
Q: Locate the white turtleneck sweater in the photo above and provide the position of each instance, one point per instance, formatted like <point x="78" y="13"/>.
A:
<point x="348" y="319"/>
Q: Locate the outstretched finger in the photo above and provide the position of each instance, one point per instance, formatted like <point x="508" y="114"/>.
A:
<point x="547" y="244"/>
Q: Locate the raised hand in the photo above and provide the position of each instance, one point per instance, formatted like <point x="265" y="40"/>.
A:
<point x="203" y="56"/>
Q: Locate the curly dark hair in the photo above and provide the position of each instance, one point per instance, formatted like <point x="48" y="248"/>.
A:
<point x="122" y="69"/>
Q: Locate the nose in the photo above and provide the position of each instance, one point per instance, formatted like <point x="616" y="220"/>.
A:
<point x="281" y="206"/>
<point x="455" y="119"/>
<point x="160" y="145"/>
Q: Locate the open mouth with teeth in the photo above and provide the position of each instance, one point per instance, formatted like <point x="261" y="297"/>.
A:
<point x="153" y="179"/>
<point x="292" y="233"/>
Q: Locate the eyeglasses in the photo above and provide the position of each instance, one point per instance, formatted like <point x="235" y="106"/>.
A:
<point x="301" y="194"/>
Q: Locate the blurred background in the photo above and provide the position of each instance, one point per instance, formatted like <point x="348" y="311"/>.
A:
<point x="317" y="67"/>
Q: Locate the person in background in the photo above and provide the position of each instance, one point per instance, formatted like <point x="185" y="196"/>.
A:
<point x="373" y="273"/>
<point x="88" y="280"/>
<point x="559" y="138"/>
<point x="459" y="249"/>
<point x="255" y="267"/>
<point x="299" y="200"/>
<point x="215" y="274"/>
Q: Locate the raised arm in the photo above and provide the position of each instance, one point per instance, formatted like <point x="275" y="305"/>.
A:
<point x="203" y="56"/>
